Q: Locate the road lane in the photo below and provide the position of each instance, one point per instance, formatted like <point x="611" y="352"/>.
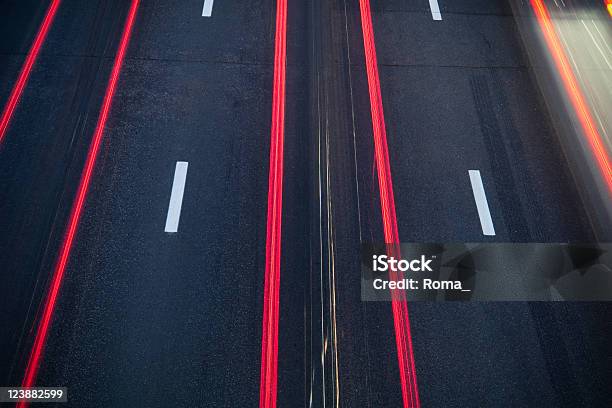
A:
<point x="183" y="311"/>
<point x="46" y="312"/>
<point x="158" y="300"/>
<point x="458" y="95"/>
<point x="353" y="350"/>
<point x="42" y="158"/>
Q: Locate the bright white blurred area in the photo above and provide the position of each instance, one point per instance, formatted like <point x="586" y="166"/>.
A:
<point x="586" y="35"/>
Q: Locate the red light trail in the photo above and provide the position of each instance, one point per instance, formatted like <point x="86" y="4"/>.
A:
<point x="269" y="337"/>
<point x="75" y="215"/>
<point x="576" y="97"/>
<point x="26" y="69"/>
<point x="401" y="321"/>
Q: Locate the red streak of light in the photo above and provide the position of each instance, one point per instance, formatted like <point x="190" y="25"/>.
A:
<point x="43" y="329"/>
<point x="573" y="90"/>
<point x="26" y="69"/>
<point x="403" y="337"/>
<point x="269" y="338"/>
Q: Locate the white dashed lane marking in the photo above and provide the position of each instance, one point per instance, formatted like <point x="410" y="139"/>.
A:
<point x="176" y="197"/>
<point x="486" y="222"/>
<point x="435" y="10"/>
<point x="207" y="9"/>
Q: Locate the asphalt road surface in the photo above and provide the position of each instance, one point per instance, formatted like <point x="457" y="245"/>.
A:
<point x="150" y="318"/>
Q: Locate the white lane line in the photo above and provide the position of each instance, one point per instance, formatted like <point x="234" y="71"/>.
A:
<point x="435" y="10"/>
<point x="176" y="197"/>
<point x="481" y="203"/>
<point x="207" y="9"/>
